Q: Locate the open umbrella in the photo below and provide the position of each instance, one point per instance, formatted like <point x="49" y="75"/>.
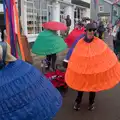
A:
<point x="47" y="43"/>
<point x="53" y="25"/>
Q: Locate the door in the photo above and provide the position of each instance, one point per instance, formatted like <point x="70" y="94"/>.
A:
<point x="62" y="15"/>
<point x="49" y="13"/>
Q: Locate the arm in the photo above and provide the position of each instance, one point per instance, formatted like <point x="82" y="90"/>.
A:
<point x="70" y="22"/>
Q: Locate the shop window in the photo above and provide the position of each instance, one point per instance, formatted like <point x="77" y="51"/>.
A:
<point x="78" y="14"/>
<point x="37" y="14"/>
<point x="115" y="11"/>
<point x="62" y="16"/>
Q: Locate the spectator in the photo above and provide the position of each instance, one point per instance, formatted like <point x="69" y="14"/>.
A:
<point x="0" y="35"/>
<point x="109" y="28"/>
<point x="68" y="23"/>
<point x="116" y="40"/>
<point x="101" y="29"/>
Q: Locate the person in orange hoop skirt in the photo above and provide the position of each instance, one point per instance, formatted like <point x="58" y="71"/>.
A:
<point x="75" y="34"/>
<point x="92" y="67"/>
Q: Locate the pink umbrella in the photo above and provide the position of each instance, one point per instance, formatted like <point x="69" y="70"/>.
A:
<point x="53" y="25"/>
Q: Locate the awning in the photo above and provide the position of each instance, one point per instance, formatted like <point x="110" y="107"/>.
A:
<point x="81" y="3"/>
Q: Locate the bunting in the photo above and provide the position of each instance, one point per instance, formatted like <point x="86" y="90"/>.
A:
<point x="12" y="27"/>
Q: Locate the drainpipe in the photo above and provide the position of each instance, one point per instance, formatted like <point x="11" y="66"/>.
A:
<point x="112" y="14"/>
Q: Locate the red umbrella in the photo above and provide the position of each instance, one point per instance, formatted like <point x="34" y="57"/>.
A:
<point x="53" y="25"/>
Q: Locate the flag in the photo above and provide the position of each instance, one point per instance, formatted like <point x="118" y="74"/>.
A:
<point x="9" y="12"/>
<point x="11" y="20"/>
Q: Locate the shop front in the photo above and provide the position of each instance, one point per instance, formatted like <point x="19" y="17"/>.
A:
<point x="33" y="15"/>
<point x="35" y="12"/>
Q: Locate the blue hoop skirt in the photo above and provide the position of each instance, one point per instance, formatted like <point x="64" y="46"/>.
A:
<point x="25" y="94"/>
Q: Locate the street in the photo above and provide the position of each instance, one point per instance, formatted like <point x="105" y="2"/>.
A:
<point x="107" y="106"/>
<point x="107" y="102"/>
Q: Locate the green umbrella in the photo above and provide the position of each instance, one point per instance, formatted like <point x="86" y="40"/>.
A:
<point x="48" y="42"/>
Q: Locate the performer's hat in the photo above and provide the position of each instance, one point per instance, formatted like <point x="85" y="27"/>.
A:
<point x="90" y="26"/>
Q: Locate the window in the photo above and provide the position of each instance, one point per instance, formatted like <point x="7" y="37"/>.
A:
<point x="78" y="14"/>
<point x="62" y="15"/>
<point x="101" y="8"/>
<point x="37" y="13"/>
<point x="115" y="10"/>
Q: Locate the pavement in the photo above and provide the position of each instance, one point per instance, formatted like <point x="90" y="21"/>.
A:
<point x="107" y="102"/>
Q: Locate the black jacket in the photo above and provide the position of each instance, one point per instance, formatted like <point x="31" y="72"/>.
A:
<point x="101" y="28"/>
<point x="68" y="22"/>
<point x="118" y="35"/>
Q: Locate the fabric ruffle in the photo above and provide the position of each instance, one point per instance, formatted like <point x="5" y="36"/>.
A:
<point x="73" y="36"/>
<point x="26" y="94"/>
<point x="47" y="43"/>
<point x="92" y="67"/>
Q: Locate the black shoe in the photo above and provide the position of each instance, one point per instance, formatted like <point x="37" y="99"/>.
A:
<point x="77" y="106"/>
<point x="47" y="68"/>
<point x="91" y="107"/>
<point x="65" y="64"/>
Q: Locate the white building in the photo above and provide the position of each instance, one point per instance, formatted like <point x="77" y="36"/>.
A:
<point x="35" y="12"/>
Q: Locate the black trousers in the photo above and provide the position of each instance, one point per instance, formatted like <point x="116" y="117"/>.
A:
<point x="51" y="59"/>
<point x="91" y="97"/>
<point x="100" y="35"/>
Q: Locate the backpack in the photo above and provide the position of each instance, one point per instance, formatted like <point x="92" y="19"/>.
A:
<point x="4" y="48"/>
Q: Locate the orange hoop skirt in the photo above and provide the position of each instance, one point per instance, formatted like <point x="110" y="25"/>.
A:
<point x="92" y="67"/>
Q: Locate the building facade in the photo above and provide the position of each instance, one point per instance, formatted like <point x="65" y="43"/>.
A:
<point x="105" y="10"/>
<point x="115" y="12"/>
<point x="35" y="12"/>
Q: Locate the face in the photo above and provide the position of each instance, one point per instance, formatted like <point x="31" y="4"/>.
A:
<point x="90" y="33"/>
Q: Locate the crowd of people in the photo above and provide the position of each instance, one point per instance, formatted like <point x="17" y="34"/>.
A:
<point x="109" y="28"/>
<point x="79" y="59"/>
<point x="90" y="66"/>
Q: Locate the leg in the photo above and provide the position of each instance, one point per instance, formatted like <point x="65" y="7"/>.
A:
<point x="78" y="101"/>
<point x="65" y="64"/>
<point x="79" y="97"/>
<point x="91" y="100"/>
<point x="54" y="57"/>
<point x="67" y="32"/>
<point x="100" y="35"/>
<point x="48" y="57"/>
